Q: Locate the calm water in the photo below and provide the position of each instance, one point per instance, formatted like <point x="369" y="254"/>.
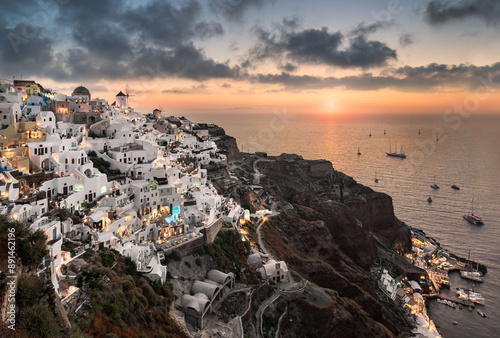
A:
<point x="467" y="155"/>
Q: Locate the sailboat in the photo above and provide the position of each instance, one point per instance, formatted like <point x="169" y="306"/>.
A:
<point x="435" y="186"/>
<point x="401" y="153"/>
<point x="437" y="138"/>
<point x="376" y="179"/>
<point x="471" y="218"/>
<point x="429" y="200"/>
<point x="359" y="153"/>
<point x="419" y="132"/>
<point x="370" y="134"/>
<point x="384" y="132"/>
<point x="476" y="276"/>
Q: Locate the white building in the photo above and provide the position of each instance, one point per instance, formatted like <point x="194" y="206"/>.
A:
<point x="274" y="271"/>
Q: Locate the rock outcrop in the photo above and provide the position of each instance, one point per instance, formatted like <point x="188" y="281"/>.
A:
<point x="229" y="147"/>
<point x="328" y="237"/>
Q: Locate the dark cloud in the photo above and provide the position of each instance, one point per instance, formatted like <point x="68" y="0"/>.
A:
<point x="226" y="85"/>
<point x="208" y="29"/>
<point x="288" y="67"/>
<point x="291" y="23"/>
<point x="406" y="40"/>
<point x="319" y="46"/>
<point x="425" y="78"/>
<point x="235" y="9"/>
<point x="441" y="12"/>
<point x="114" y="40"/>
<point x="364" y="29"/>
<point x="24" y="49"/>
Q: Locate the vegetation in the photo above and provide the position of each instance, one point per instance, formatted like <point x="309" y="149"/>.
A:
<point x="28" y="290"/>
<point x="38" y="321"/>
<point x="30" y="245"/>
<point x="230" y="253"/>
<point x="102" y="165"/>
<point x="124" y="304"/>
<point x="174" y="255"/>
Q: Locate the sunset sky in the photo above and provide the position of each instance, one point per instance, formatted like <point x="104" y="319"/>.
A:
<point x="249" y="56"/>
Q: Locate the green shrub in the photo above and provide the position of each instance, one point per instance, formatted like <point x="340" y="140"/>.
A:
<point x="38" y="321"/>
<point x="131" y="268"/>
<point x="28" y="290"/>
<point x="107" y="259"/>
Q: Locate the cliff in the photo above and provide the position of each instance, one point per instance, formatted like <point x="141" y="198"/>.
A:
<point x="352" y="212"/>
<point x="228" y="146"/>
<point x="326" y="232"/>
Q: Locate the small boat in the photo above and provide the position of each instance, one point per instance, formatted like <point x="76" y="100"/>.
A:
<point x="376" y="179"/>
<point x="481" y="313"/>
<point x="471" y="218"/>
<point x="437" y="138"/>
<point x="476" y="276"/>
<point x="419" y="132"/>
<point x="472" y="275"/>
<point x="429" y="200"/>
<point x="370" y="134"/>
<point x="434" y="186"/>
<point x="384" y="132"/>
<point x="359" y="153"/>
<point x="460" y="306"/>
<point x="454" y="322"/>
<point x="456" y="187"/>
<point x="401" y="153"/>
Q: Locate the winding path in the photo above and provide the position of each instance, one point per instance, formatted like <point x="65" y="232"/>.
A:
<point x="259" y="239"/>
<point x="257" y="175"/>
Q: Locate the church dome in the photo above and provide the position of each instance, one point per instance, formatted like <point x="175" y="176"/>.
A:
<point x="81" y="91"/>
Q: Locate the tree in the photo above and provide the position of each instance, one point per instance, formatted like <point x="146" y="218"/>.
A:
<point x="30" y="245"/>
<point x="39" y="321"/>
<point x="28" y="290"/>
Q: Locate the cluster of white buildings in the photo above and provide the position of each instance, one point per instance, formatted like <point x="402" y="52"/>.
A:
<point x="125" y="180"/>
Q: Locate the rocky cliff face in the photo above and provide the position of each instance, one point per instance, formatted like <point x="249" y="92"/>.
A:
<point x="229" y="147"/>
<point x="353" y="213"/>
<point x="309" y="248"/>
<point x="326" y="230"/>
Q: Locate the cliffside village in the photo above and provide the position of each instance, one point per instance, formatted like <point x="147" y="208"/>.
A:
<point x="134" y="181"/>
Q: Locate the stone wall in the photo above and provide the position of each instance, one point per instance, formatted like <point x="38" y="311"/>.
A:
<point x="213" y="230"/>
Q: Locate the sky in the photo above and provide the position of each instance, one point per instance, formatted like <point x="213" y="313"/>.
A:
<point x="253" y="56"/>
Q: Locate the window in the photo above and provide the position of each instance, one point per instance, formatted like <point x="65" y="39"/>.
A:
<point x="50" y="119"/>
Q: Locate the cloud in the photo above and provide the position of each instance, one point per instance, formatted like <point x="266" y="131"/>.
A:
<point x="424" y="78"/>
<point x="235" y="9"/>
<point x="187" y="90"/>
<point x="209" y="29"/>
<point x="24" y="49"/>
<point x="363" y="29"/>
<point x="406" y="39"/>
<point x="319" y="46"/>
<point x="288" y="67"/>
<point x="440" y="12"/>
<point x="111" y="39"/>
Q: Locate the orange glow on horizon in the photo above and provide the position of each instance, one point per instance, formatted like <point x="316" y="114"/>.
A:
<point x="214" y="97"/>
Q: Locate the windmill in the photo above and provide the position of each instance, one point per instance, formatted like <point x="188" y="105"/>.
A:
<point x="127" y="94"/>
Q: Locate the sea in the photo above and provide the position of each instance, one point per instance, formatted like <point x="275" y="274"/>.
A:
<point x="441" y="149"/>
